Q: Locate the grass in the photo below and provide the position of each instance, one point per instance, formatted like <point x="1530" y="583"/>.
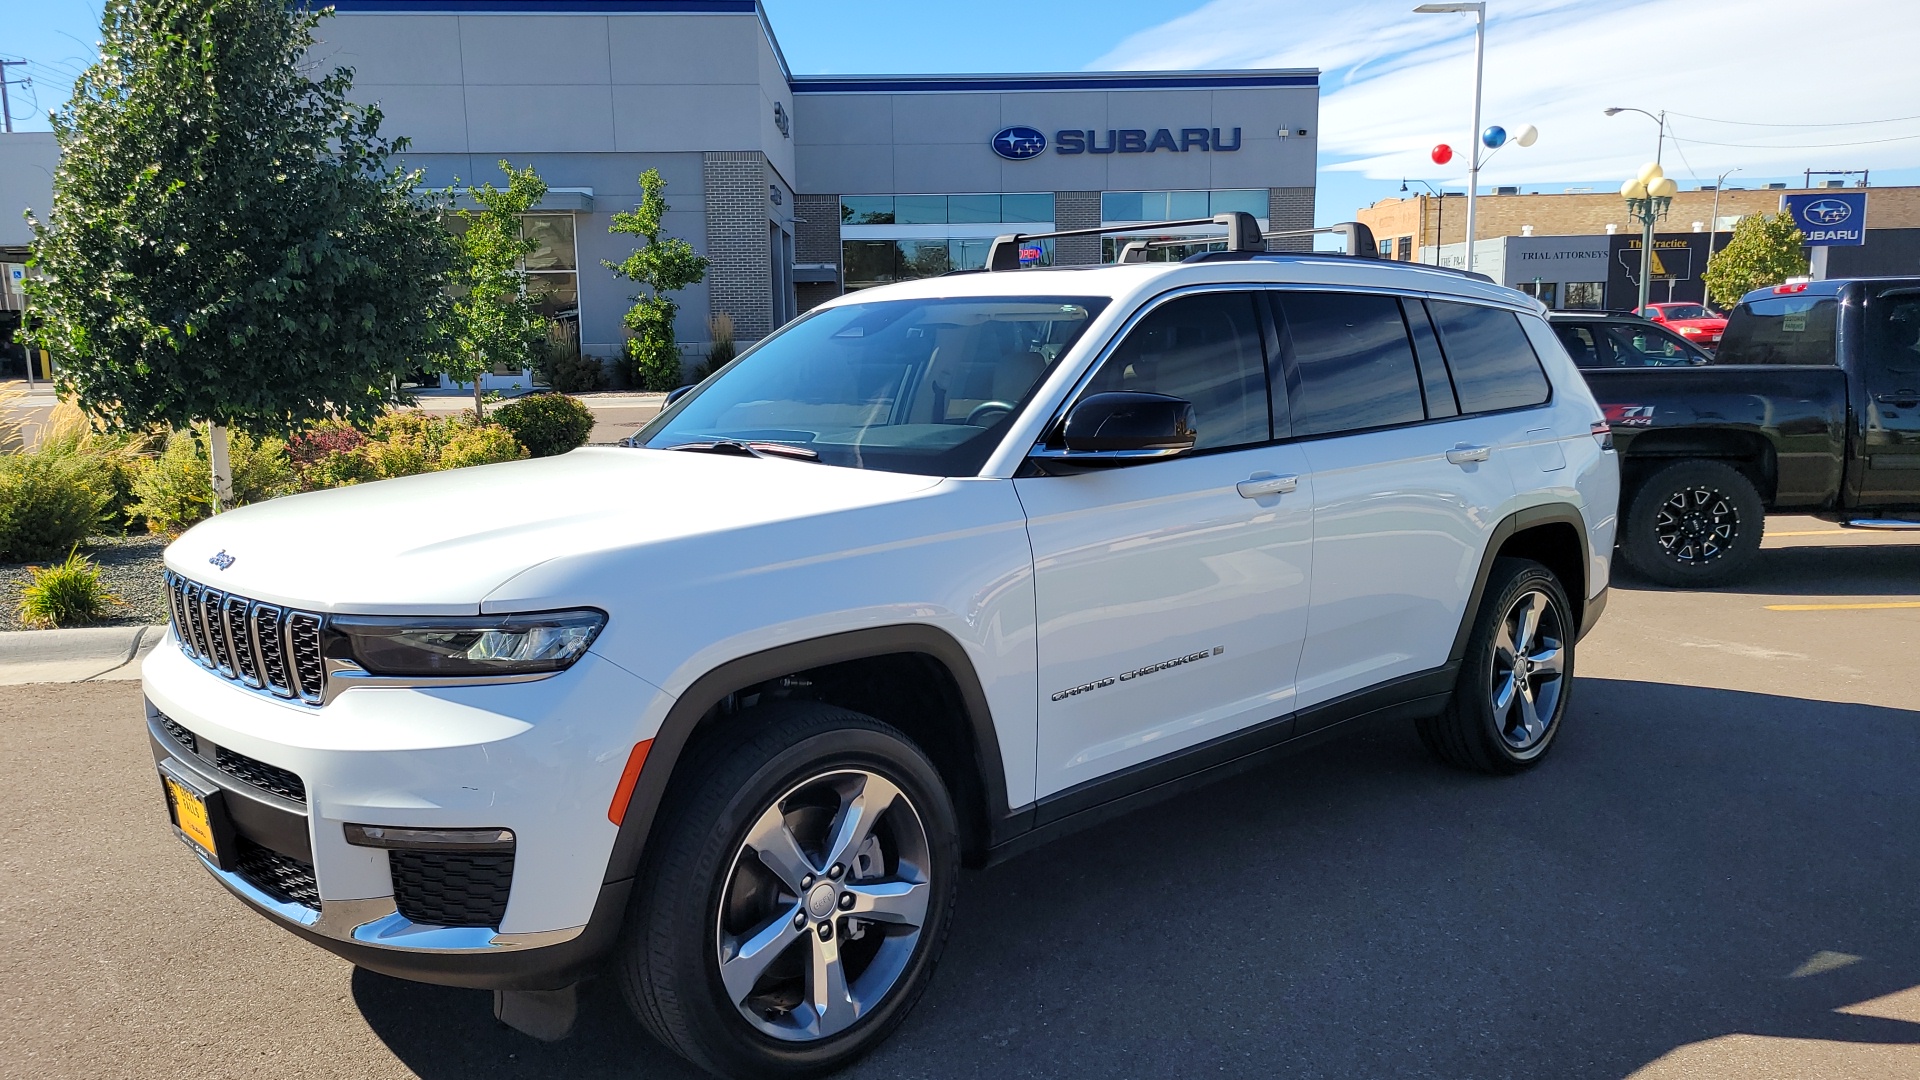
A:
<point x="66" y="594"/>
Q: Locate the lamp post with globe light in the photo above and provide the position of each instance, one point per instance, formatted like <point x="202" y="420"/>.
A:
<point x="1648" y="196"/>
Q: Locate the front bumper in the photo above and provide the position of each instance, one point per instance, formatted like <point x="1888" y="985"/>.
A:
<point x="542" y="759"/>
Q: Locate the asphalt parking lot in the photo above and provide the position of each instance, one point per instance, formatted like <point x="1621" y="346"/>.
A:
<point x="1716" y="874"/>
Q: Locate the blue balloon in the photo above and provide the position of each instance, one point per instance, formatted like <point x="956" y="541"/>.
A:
<point x="1493" y="137"/>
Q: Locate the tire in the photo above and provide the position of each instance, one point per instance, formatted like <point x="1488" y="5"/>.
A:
<point x="1503" y="716"/>
<point x="775" y="789"/>
<point x="1694" y="524"/>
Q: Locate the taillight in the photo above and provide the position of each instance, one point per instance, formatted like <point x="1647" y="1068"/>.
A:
<point x="1602" y="434"/>
<point x="1790" y="287"/>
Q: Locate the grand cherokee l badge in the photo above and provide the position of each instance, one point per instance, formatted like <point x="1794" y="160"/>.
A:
<point x="1126" y="676"/>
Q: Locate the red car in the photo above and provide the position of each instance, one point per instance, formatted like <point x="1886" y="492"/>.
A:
<point x="1690" y="321"/>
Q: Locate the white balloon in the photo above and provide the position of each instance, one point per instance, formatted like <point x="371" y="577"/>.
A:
<point x="1526" y="135"/>
<point x="1633" y="189"/>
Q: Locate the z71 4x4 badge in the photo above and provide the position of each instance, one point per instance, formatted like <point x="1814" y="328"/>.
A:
<point x="1126" y="676"/>
<point x="1628" y="415"/>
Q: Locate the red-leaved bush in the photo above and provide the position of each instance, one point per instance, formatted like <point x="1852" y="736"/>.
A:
<point x="327" y="437"/>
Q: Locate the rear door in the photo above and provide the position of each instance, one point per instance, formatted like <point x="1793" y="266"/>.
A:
<point x="1889" y="370"/>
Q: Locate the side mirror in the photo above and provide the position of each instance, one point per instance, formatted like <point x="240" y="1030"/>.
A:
<point x="1122" y="428"/>
<point x="677" y="393"/>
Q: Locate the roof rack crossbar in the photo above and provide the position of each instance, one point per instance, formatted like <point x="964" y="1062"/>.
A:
<point x="1359" y="238"/>
<point x="1243" y="234"/>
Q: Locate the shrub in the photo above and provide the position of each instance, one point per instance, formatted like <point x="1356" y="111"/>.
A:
<point x="174" y="491"/>
<point x="338" y="469"/>
<point x="567" y="372"/>
<point x="323" y="440"/>
<point x="482" y="445"/>
<point x="546" y="424"/>
<point x="49" y="503"/>
<point x="721" y="352"/>
<point x="68" y="594"/>
<point x="115" y="458"/>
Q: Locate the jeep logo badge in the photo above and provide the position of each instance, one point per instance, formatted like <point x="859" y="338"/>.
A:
<point x="222" y="560"/>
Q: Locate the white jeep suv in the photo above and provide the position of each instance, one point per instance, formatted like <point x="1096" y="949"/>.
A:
<point x="937" y="571"/>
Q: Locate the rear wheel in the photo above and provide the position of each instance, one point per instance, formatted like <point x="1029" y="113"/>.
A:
<point x="1514" y="684"/>
<point x="1694" y="524"/>
<point x="799" y="897"/>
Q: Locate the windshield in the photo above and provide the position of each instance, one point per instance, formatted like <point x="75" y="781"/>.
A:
<point x="915" y="386"/>
<point x="1686" y="311"/>
<point x="1790" y="329"/>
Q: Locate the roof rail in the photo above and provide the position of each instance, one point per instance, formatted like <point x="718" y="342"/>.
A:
<point x="1243" y="234"/>
<point x="1359" y="238"/>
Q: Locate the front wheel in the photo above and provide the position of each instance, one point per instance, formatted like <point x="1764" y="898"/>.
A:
<point x="798" y="896"/>
<point x="1694" y="524"/>
<point x="1514" y="683"/>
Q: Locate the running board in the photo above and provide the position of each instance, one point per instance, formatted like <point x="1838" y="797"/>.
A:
<point x="1890" y="524"/>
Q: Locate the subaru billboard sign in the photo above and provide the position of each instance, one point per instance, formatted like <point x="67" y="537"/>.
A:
<point x="1829" y="219"/>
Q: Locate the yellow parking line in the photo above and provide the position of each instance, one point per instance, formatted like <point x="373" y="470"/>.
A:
<point x="1844" y="607"/>
<point x="1816" y="532"/>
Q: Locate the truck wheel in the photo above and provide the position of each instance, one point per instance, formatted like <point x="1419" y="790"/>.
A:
<point x="795" y="895"/>
<point x="1514" y="684"/>
<point x="1694" y="524"/>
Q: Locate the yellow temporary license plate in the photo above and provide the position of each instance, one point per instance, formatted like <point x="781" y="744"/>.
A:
<point x="191" y="817"/>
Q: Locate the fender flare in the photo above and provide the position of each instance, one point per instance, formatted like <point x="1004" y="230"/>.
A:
<point x="1513" y="524"/>
<point x="684" y="716"/>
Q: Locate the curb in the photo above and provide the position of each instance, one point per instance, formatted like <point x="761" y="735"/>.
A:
<point x="80" y="654"/>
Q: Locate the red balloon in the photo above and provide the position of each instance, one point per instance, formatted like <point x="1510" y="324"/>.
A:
<point x="1442" y="154"/>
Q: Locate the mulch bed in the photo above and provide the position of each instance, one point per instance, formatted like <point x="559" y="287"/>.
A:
<point x="129" y="565"/>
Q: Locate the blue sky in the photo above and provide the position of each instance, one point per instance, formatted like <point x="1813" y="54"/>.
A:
<point x="1731" y="71"/>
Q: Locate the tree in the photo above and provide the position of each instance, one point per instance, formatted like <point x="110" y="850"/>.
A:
<point x="494" y="320"/>
<point x="228" y="242"/>
<point x="1766" y="249"/>
<point x="662" y="266"/>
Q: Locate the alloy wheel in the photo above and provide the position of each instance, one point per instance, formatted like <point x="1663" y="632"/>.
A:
<point x="1696" y="525"/>
<point x="824" y="905"/>
<point x="1529" y="664"/>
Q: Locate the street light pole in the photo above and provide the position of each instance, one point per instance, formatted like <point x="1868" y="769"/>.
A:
<point x="1479" y="10"/>
<point x="1646" y="242"/>
<point x="1439" y="218"/>
<point x="1713" y="227"/>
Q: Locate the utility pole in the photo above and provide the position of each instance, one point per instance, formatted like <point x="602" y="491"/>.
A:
<point x="1713" y="228"/>
<point x="6" y="108"/>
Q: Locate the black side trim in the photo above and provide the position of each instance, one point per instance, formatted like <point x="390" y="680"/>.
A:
<point x="1421" y="694"/>
<point x="1590" y="613"/>
<point x="1518" y="522"/>
<point x="713" y="687"/>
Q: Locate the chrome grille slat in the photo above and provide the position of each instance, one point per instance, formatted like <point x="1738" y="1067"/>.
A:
<point x="233" y="614"/>
<point x="261" y="646"/>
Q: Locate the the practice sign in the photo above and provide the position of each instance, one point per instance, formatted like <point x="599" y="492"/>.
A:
<point x="1829" y="219"/>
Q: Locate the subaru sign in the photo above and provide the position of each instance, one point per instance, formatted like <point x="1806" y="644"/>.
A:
<point x="1836" y="219"/>
<point x="1019" y="143"/>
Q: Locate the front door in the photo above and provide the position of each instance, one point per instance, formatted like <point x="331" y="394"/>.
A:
<point x="1890" y="374"/>
<point x="1172" y="596"/>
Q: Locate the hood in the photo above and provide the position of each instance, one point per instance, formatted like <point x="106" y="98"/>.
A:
<point x="439" y="543"/>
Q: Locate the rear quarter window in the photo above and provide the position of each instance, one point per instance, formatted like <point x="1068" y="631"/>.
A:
<point x="1493" y="363"/>
<point x="1780" y="330"/>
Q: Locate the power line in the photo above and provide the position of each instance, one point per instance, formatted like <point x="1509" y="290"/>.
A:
<point x="1798" y="146"/>
<point x="1829" y="124"/>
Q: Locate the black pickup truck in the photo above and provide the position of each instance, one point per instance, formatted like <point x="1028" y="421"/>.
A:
<point x="1812" y="404"/>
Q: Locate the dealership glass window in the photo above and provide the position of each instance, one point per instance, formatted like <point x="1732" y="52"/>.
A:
<point x="971" y="208"/>
<point x="553" y="235"/>
<point x="919" y="209"/>
<point x="878" y="262"/>
<point x="1027" y="207"/>
<point x="1547" y="292"/>
<point x="866" y="210"/>
<point x="1585" y="295"/>
<point x="1180" y="205"/>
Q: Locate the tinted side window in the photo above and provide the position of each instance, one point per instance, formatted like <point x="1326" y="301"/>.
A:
<point x="1893" y="337"/>
<point x="1352" y="361"/>
<point x="1645" y="346"/>
<point x="1207" y="349"/>
<point x="1433" y="366"/>
<point x="1587" y="350"/>
<point x="1790" y="329"/>
<point x="1492" y="362"/>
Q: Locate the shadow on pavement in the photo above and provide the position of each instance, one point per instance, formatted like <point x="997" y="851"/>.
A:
<point x="1864" y="570"/>
<point x="1362" y="911"/>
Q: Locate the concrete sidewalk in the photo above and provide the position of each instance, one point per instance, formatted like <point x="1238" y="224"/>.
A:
<point x="81" y="654"/>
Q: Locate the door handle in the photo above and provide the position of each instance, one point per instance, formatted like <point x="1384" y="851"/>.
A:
<point x="1258" y="487"/>
<point x="1465" y="455"/>
<point x="1905" y="399"/>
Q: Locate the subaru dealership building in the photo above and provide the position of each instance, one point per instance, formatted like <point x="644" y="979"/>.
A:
<point x="797" y="188"/>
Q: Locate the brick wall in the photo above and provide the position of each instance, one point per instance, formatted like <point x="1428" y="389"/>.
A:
<point x="1590" y="214"/>
<point x="816" y="239"/>
<point x="1290" y="210"/>
<point x="738" y="277"/>
<point x="1076" y="210"/>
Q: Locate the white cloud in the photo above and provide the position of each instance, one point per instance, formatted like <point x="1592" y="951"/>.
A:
<point x="1395" y="83"/>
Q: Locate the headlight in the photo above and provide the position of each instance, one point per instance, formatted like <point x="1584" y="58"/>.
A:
<point x="468" y="646"/>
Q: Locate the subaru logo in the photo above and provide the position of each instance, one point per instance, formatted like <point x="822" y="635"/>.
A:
<point x="1827" y="212"/>
<point x="1019" y="143"/>
<point x="222" y="560"/>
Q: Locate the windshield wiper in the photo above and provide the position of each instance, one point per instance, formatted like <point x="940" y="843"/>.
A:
<point x="750" y="449"/>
